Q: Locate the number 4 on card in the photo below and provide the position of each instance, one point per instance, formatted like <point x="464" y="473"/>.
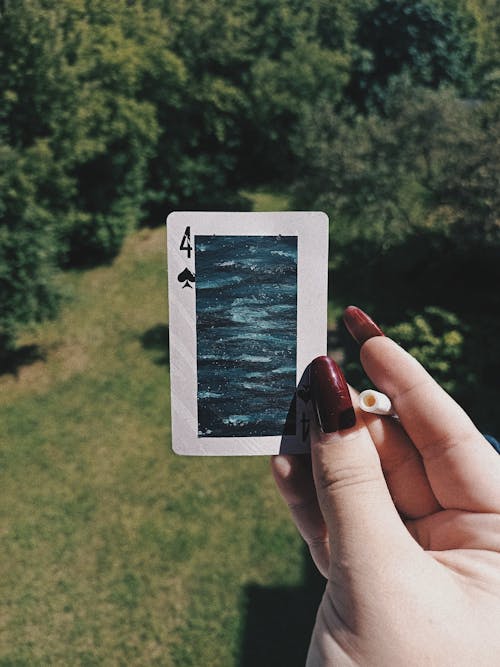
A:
<point x="186" y="242"/>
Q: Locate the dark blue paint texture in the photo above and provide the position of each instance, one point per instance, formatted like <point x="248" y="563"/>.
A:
<point x="246" y="323"/>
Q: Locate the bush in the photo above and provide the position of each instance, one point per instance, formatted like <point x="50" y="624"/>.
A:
<point x="72" y="75"/>
<point x="435" y="337"/>
<point x="27" y="292"/>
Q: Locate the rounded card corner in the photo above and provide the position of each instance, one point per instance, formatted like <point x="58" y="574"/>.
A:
<point x="171" y="217"/>
<point x="177" y="450"/>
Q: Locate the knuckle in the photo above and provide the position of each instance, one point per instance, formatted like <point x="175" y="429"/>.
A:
<point x="442" y="446"/>
<point x="302" y="505"/>
<point x="435" y="449"/>
<point x="317" y="542"/>
<point x="331" y="481"/>
<point x="423" y="385"/>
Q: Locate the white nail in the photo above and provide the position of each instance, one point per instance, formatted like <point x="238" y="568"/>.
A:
<point x="375" y="402"/>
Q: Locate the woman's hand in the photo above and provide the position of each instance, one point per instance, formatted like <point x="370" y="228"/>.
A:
<point x="403" y="519"/>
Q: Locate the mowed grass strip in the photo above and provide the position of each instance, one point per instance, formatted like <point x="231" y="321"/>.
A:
<point x="113" y="549"/>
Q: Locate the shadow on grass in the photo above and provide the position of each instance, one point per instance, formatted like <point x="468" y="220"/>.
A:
<point x="279" y="621"/>
<point x="156" y="340"/>
<point x="11" y="362"/>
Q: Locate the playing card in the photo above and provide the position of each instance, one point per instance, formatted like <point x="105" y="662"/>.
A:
<point x="247" y="315"/>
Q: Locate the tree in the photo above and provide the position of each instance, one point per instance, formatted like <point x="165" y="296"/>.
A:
<point x="467" y="190"/>
<point x="429" y="162"/>
<point x="196" y="161"/>
<point x="112" y="133"/>
<point x="431" y="40"/>
<point x="251" y="68"/>
<point x="487" y="36"/>
<point x="27" y="291"/>
<point x="303" y="53"/>
<point x="71" y="73"/>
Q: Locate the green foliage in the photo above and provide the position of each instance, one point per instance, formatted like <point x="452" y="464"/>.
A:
<point x="430" y="163"/>
<point x="435" y="337"/>
<point x="27" y="293"/>
<point x="72" y="73"/>
<point x="430" y="41"/>
<point x="114" y="130"/>
<point x="145" y="106"/>
<point x="283" y="89"/>
<point x="200" y="112"/>
<point x="303" y="53"/>
<point x="487" y="30"/>
<point x="466" y="188"/>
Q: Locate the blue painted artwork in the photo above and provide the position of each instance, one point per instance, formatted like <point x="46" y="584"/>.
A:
<point x="246" y="324"/>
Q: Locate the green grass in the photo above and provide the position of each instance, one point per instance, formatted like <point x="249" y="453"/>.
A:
<point x="265" y="200"/>
<point x="114" y="551"/>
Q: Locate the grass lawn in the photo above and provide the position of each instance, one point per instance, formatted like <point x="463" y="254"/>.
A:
<point x="114" y="551"/>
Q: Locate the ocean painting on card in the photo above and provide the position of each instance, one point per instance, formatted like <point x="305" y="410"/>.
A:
<point x="246" y="328"/>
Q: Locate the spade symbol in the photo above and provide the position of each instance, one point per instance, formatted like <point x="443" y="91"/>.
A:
<point x="186" y="277"/>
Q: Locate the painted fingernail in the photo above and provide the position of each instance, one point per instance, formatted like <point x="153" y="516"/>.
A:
<point x="330" y="395"/>
<point x="360" y="325"/>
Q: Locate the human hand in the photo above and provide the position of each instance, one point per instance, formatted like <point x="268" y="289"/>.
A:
<point x="402" y="518"/>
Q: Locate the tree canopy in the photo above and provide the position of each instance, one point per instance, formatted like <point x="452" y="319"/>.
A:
<point x="114" y="112"/>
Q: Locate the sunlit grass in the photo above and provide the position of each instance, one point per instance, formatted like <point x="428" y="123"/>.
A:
<point x="113" y="549"/>
<point x="266" y="200"/>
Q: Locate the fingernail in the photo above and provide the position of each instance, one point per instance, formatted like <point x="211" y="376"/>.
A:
<point x="360" y="325"/>
<point x="330" y="395"/>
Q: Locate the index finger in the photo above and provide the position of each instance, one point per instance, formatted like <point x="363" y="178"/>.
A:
<point x="463" y="470"/>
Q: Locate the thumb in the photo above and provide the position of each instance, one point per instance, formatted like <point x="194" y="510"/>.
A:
<point x="364" y="526"/>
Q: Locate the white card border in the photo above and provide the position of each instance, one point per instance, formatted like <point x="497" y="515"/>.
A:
<point x="311" y="229"/>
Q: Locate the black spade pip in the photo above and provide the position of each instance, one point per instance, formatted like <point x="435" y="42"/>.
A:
<point x="186" y="277"/>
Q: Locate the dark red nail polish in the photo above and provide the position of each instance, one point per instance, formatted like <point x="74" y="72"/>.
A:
<point x="360" y="325"/>
<point x="330" y="395"/>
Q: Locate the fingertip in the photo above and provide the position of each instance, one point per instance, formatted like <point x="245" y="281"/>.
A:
<point x="331" y="396"/>
<point x="360" y="325"/>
